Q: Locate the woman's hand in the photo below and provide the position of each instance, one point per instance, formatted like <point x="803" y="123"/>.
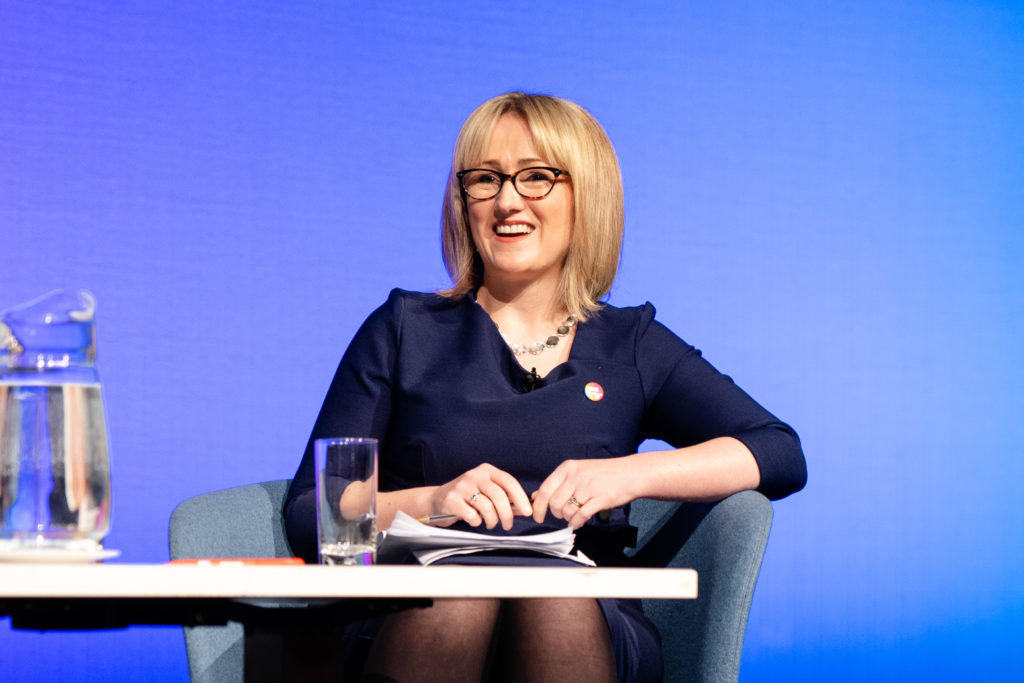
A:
<point x="483" y="494"/>
<point x="579" y="489"/>
<point x="709" y="471"/>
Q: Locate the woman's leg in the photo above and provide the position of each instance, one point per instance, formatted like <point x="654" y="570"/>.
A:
<point x="555" y="639"/>
<point x="447" y="642"/>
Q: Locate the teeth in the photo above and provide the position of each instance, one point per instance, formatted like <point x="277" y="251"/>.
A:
<point x="516" y="229"/>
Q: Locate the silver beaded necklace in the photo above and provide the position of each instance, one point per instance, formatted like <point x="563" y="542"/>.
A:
<point x="537" y="347"/>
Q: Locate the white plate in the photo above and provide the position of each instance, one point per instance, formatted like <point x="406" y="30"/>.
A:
<point x="56" y="555"/>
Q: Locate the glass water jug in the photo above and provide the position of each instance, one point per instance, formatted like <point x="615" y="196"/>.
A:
<point x="54" y="468"/>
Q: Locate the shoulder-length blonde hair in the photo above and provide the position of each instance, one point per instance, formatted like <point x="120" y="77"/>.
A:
<point x="571" y="139"/>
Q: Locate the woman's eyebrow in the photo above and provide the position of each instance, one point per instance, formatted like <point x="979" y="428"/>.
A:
<point x="523" y="163"/>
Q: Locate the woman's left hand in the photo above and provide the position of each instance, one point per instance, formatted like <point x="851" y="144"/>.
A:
<point x="579" y="489"/>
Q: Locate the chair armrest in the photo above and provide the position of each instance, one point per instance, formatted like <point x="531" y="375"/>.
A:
<point x="724" y="541"/>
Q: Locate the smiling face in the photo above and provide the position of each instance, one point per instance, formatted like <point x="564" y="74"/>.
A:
<point x="521" y="241"/>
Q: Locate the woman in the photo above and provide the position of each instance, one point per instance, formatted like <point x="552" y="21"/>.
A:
<point x="516" y="399"/>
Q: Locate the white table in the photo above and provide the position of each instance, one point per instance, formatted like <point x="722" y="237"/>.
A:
<point x="51" y="596"/>
<point x="243" y="581"/>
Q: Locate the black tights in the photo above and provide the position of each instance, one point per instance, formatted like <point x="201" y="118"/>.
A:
<point x="540" y="639"/>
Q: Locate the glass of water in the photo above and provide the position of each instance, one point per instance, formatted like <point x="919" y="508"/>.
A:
<point x="346" y="491"/>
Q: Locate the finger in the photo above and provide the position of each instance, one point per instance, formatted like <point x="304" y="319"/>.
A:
<point x="500" y="503"/>
<point x="559" y="502"/>
<point x="582" y="513"/>
<point x="514" y="492"/>
<point x="467" y="512"/>
<point x="542" y="497"/>
<point x="572" y="506"/>
<point x="483" y="505"/>
<point x="540" y="505"/>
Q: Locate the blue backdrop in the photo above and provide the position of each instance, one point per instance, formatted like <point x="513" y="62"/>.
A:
<point x="826" y="197"/>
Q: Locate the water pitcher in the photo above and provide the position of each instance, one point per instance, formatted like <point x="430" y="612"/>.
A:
<point x="54" y="469"/>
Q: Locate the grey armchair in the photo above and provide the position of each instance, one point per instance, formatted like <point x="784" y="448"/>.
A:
<point x="244" y="521"/>
<point x="702" y="639"/>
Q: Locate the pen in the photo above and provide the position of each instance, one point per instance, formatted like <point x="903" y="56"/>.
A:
<point x="440" y="519"/>
<point x="437" y="519"/>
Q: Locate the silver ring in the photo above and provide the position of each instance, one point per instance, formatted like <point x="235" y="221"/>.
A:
<point x="575" y="501"/>
<point x="472" y="499"/>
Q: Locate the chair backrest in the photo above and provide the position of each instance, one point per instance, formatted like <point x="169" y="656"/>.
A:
<point x="244" y="521"/>
<point x="702" y="639"/>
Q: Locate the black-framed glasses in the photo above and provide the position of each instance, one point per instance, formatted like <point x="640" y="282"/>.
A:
<point x="534" y="182"/>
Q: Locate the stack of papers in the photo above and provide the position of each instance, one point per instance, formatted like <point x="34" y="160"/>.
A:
<point x="429" y="544"/>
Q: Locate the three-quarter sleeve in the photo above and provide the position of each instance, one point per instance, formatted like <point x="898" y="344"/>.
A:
<point x="689" y="402"/>
<point x="358" y="404"/>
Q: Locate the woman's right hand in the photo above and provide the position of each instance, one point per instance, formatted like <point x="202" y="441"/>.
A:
<point x="485" y="495"/>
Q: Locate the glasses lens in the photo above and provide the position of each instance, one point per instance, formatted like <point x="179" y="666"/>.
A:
<point x="535" y="182"/>
<point x="481" y="184"/>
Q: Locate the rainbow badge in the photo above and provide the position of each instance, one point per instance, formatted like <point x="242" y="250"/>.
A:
<point x="594" y="391"/>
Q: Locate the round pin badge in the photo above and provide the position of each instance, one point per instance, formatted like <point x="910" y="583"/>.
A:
<point x="594" y="391"/>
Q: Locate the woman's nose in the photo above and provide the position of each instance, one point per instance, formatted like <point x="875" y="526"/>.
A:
<point x="508" y="198"/>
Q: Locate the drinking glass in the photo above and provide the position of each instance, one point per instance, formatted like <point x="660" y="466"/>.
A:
<point x="346" y="490"/>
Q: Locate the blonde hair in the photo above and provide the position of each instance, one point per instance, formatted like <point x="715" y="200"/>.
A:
<point x="571" y="139"/>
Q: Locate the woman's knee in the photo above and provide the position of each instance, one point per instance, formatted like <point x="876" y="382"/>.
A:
<point x="537" y="634"/>
<point x="453" y="636"/>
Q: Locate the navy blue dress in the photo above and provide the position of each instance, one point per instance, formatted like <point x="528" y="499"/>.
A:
<point x="435" y="382"/>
